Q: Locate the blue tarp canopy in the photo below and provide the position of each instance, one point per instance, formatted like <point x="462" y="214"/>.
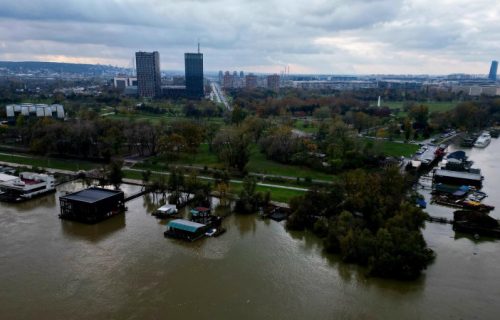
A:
<point x="185" y="225"/>
<point x="459" y="155"/>
<point x="421" y="203"/>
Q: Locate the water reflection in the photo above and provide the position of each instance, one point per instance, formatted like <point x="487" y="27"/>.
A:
<point x="152" y="201"/>
<point x="45" y="201"/>
<point x="94" y="232"/>
<point x="245" y="223"/>
<point x="472" y="239"/>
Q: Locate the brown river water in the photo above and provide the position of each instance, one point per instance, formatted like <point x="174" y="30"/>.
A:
<point x="124" y="268"/>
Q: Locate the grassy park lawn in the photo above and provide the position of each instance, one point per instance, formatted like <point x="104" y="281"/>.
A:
<point x="434" y="106"/>
<point x="393" y="149"/>
<point x="41" y="162"/>
<point x="202" y="158"/>
<point x="277" y="194"/>
<point x="306" y="126"/>
<point x="156" y="118"/>
<point x="257" y="164"/>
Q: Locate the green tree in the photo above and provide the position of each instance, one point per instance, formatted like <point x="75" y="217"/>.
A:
<point x="249" y="199"/>
<point x="115" y="173"/>
<point x="238" y="115"/>
<point x="232" y="147"/>
<point x="420" y="114"/>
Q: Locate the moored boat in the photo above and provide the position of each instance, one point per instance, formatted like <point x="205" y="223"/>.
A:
<point x="166" y="211"/>
<point x="29" y="185"/>
<point x="483" y="141"/>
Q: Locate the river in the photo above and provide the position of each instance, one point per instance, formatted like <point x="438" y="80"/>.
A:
<point x="124" y="268"/>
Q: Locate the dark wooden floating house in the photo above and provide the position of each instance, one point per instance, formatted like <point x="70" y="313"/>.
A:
<point x="91" y="205"/>
<point x="471" y="178"/>
<point x="475" y="222"/>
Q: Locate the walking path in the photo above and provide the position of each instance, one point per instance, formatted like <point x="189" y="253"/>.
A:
<point x="68" y="172"/>
<point x="232" y="181"/>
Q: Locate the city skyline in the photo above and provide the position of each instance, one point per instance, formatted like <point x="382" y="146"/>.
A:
<point x="322" y="37"/>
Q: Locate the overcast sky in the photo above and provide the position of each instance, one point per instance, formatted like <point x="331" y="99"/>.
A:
<point x="311" y="36"/>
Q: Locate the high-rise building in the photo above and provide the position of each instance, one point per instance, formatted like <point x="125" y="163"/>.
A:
<point x="242" y="74"/>
<point x="148" y="74"/>
<point x="228" y="80"/>
<point x="221" y="76"/>
<point x="493" y="70"/>
<point x="194" y="75"/>
<point x="251" y="82"/>
<point x="273" y="82"/>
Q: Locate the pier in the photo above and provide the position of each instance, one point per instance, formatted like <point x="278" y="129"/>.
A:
<point x="136" y="195"/>
<point x="439" y="220"/>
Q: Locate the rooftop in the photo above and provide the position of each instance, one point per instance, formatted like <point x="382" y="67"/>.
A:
<point x="91" y="195"/>
<point x="5" y="177"/>
<point x="167" y="207"/>
<point x="458" y="174"/>
<point x="185" y="225"/>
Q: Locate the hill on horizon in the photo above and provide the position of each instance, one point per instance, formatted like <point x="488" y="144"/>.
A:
<point x="59" y="67"/>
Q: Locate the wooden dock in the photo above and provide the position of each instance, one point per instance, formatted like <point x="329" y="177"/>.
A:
<point x="439" y="220"/>
<point x="136" y="195"/>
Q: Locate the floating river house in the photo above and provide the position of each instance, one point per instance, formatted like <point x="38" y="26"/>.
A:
<point x="471" y="178"/>
<point x="27" y="186"/>
<point x="92" y="205"/>
<point x="185" y="229"/>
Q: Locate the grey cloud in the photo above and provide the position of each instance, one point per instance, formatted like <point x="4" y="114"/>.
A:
<point x="366" y="35"/>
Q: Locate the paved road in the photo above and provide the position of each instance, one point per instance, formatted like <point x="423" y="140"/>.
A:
<point x="220" y="95"/>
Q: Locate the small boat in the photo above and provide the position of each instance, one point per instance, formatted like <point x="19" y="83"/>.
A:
<point x="215" y="232"/>
<point x="477" y="196"/>
<point x="166" y="211"/>
<point x="475" y="205"/>
<point x="483" y="141"/>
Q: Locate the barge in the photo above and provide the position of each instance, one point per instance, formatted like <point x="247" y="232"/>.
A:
<point x="452" y="202"/>
<point x="27" y="186"/>
<point x="472" y="177"/>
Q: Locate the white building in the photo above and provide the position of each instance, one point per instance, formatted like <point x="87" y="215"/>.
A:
<point x="124" y="82"/>
<point x="35" y="110"/>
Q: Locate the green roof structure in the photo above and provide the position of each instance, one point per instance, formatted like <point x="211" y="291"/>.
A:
<point x="185" y="225"/>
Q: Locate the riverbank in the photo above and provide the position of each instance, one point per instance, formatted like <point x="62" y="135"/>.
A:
<point x="125" y="268"/>
<point x="279" y="192"/>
